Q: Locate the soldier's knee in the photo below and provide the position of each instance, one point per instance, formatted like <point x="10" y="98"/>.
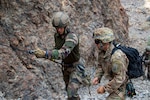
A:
<point x="72" y="89"/>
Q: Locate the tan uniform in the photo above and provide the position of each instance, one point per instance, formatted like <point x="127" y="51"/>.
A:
<point x="113" y="67"/>
<point x="146" y="56"/>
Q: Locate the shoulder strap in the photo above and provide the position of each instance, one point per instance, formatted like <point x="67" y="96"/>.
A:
<point x="67" y="31"/>
<point x="116" y="47"/>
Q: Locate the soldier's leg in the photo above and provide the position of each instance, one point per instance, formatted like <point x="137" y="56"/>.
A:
<point x="148" y="72"/>
<point x="119" y="94"/>
<point x="66" y="75"/>
<point x="72" y="91"/>
<point x="73" y="86"/>
<point x="114" y="96"/>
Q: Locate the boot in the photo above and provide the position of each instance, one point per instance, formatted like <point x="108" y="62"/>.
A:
<point x="74" y="98"/>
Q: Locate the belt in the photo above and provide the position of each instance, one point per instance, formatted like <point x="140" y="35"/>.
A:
<point x="67" y="65"/>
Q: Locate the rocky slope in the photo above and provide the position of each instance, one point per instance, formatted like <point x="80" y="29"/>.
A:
<point x="26" y="24"/>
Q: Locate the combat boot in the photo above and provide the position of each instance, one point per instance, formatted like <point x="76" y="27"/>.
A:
<point x="74" y="98"/>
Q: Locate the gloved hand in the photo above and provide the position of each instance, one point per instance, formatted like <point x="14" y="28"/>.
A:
<point x="39" y="53"/>
<point x="101" y="90"/>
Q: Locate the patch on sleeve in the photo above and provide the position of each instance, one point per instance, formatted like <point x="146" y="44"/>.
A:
<point x="116" y="67"/>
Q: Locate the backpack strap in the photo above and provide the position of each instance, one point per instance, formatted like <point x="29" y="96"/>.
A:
<point x="67" y="31"/>
<point x="116" y="47"/>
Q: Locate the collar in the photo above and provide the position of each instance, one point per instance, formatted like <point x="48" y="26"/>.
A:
<point x="109" y="50"/>
<point x="64" y="34"/>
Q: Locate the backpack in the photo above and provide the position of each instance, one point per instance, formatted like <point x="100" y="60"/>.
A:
<point x="135" y="68"/>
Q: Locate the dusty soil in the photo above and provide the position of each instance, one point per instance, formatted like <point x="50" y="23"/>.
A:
<point x="138" y="11"/>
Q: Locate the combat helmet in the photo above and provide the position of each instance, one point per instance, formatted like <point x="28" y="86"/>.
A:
<point x="60" y="19"/>
<point x="104" y="34"/>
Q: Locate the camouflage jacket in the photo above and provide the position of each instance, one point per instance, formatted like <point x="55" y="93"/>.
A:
<point x="113" y="67"/>
<point x="146" y="57"/>
<point x="66" y="47"/>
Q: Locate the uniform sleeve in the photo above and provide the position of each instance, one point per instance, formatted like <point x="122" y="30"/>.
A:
<point x="99" y="71"/>
<point x="70" y="42"/>
<point x="119" y="78"/>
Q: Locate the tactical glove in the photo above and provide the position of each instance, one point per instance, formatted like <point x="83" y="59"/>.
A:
<point x="101" y="90"/>
<point x="39" y="53"/>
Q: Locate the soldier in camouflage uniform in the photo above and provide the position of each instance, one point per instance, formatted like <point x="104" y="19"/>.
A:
<point x="146" y="56"/>
<point x="66" y="49"/>
<point x="113" y="66"/>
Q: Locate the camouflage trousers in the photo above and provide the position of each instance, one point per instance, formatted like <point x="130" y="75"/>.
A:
<point x="148" y="72"/>
<point x="147" y="65"/>
<point x="119" y="94"/>
<point x="73" y="79"/>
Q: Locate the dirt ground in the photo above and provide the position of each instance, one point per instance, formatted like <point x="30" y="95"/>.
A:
<point x="138" y="11"/>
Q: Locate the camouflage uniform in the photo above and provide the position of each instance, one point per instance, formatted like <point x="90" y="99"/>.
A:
<point x="67" y="50"/>
<point x="113" y="67"/>
<point x="146" y="56"/>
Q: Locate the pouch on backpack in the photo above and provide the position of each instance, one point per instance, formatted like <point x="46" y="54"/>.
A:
<point x="130" y="90"/>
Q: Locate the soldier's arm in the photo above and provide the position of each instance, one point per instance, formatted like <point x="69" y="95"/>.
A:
<point x="99" y="71"/>
<point x="70" y="42"/>
<point x="119" y="77"/>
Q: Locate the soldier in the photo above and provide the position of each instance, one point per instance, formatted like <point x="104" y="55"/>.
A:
<point x="113" y="66"/>
<point x="146" y="56"/>
<point x="66" y="49"/>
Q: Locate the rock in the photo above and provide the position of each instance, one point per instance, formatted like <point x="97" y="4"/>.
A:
<point x="145" y="26"/>
<point x="26" y="24"/>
